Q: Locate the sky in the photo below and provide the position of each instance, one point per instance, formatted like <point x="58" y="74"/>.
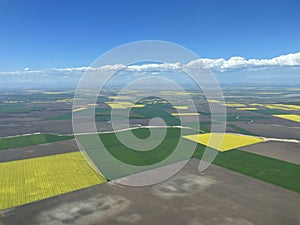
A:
<point x="43" y="35"/>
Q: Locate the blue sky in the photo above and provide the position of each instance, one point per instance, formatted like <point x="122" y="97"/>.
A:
<point x="46" y="34"/>
<point x="42" y="35"/>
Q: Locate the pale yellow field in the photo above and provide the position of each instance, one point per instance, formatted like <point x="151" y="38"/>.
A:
<point x="294" y="89"/>
<point x="65" y="100"/>
<point x="234" y="105"/>
<point x="213" y="101"/>
<point x="185" y="114"/>
<point x="180" y="107"/>
<point x="185" y="93"/>
<point x="119" y="97"/>
<point x="79" y="109"/>
<point x="292" y="117"/>
<point x="123" y="105"/>
<point x="138" y="105"/>
<point x="229" y="142"/>
<point x="283" y="106"/>
<point x="286" y="107"/>
<point x="246" y="109"/>
<point x="28" y="180"/>
<point x="117" y="106"/>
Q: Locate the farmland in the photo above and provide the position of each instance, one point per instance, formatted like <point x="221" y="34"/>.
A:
<point x="28" y="180"/>
<point x="31" y="139"/>
<point x="256" y="166"/>
<point x="42" y="139"/>
<point x="292" y="117"/>
<point x="229" y="141"/>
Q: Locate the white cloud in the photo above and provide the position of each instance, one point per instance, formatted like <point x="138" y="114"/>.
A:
<point x="155" y="67"/>
<point x="240" y="63"/>
<point x="216" y="65"/>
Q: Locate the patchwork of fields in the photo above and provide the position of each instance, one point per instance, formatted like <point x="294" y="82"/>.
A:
<point x="28" y="180"/>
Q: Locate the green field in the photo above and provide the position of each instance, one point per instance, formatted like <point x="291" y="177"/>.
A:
<point x="274" y="171"/>
<point x="19" y="108"/>
<point x="101" y="114"/>
<point x="277" y="172"/>
<point x="31" y="139"/>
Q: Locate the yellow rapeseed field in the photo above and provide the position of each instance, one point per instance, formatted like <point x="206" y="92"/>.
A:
<point x="279" y="106"/>
<point x="123" y="105"/>
<point x="292" y="117"/>
<point x="79" y="109"/>
<point x="234" y="105"/>
<point x="180" y="107"/>
<point x="246" y="109"/>
<point x="65" y="100"/>
<point x="185" y="114"/>
<point x="28" y="180"/>
<point x="230" y="141"/>
<point x="119" y="97"/>
<point x="213" y="101"/>
<point x="283" y="106"/>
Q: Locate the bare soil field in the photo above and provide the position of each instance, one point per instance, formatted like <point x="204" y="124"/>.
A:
<point x="273" y="130"/>
<point x="289" y="152"/>
<point x="38" y="150"/>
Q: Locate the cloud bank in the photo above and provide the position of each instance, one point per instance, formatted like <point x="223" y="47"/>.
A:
<point x="240" y="63"/>
<point x="236" y="63"/>
<point x="284" y="69"/>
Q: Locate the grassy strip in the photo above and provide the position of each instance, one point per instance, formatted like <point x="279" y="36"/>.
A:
<point x="31" y="139"/>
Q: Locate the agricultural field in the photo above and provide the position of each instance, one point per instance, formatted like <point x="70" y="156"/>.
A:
<point x="247" y="163"/>
<point x="19" y="108"/>
<point x="42" y="139"/>
<point x="31" y="139"/>
<point x="28" y="180"/>
<point x="216" y="191"/>
<point x="292" y="117"/>
<point x="247" y="109"/>
<point x="224" y="142"/>
<point x="185" y="114"/>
